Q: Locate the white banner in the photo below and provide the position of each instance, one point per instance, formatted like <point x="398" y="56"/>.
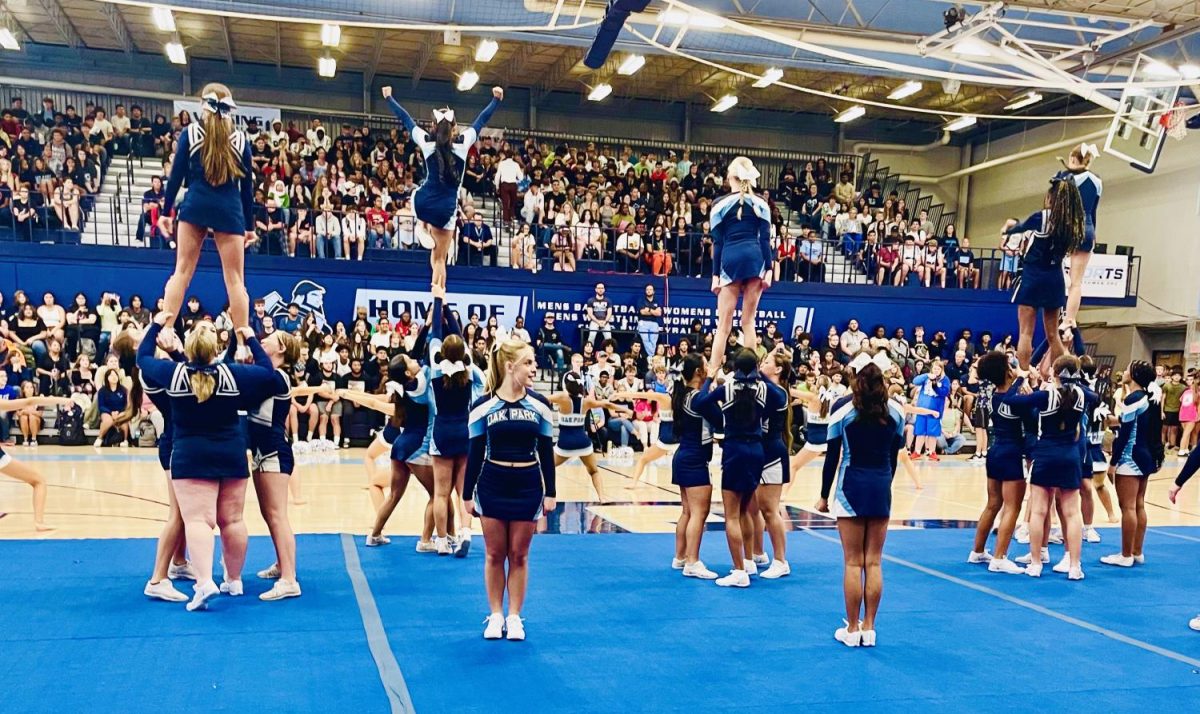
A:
<point x="505" y="308"/>
<point x="245" y="112"/>
<point x="1107" y="276"/>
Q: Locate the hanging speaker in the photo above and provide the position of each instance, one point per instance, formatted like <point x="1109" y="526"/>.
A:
<point x="610" y="28"/>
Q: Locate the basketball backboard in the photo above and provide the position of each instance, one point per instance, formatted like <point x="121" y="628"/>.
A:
<point x="1137" y="134"/>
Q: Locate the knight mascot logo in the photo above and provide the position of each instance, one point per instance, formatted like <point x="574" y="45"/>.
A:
<point x="309" y="296"/>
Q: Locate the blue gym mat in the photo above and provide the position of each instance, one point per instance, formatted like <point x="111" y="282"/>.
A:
<point x="610" y="629"/>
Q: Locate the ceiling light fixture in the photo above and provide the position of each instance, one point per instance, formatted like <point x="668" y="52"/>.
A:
<point x="771" y="76"/>
<point x="961" y="123"/>
<point x="631" y="65"/>
<point x="486" y="50"/>
<point x="850" y="114"/>
<point x="331" y="35"/>
<point x="1025" y="100"/>
<point x="467" y="80"/>
<point x="906" y="90"/>
<point x="8" y="40"/>
<point x="175" y="52"/>
<point x="164" y="20"/>
<point x="725" y="103"/>
<point x="599" y="92"/>
<point x="327" y="66"/>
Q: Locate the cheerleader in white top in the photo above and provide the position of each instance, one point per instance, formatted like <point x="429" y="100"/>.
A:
<point x="816" y="423"/>
<point x="574" y="405"/>
<point x="213" y="161"/>
<point x="21" y="472"/>
<point x="1078" y="170"/>
<point x="742" y="257"/>
<point x="436" y="200"/>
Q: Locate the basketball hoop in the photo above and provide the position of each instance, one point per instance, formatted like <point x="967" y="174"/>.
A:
<point x="1175" y="121"/>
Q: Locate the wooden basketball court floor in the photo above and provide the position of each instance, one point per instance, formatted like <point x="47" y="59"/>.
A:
<point x="115" y="493"/>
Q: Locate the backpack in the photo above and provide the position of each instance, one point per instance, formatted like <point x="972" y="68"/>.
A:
<point x="70" y="426"/>
<point x="147" y="436"/>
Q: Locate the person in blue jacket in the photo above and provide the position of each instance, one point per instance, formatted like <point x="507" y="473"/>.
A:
<point x="445" y="151"/>
<point x="213" y="161"/>
<point x="1047" y="237"/>
<point x="1133" y="462"/>
<point x="743" y="263"/>
<point x="208" y="459"/>
<point x="933" y="388"/>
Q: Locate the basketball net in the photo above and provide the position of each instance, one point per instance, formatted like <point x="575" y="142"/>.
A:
<point x="1175" y="121"/>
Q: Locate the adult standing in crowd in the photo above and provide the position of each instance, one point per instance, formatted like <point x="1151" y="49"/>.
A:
<point x="650" y="315"/>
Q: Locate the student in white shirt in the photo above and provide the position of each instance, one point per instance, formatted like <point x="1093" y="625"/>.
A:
<point x="329" y="233"/>
<point x="354" y="230"/>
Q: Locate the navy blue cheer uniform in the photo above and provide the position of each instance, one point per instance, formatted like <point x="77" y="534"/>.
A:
<point x="742" y="455"/>
<point x="5" y="459"/>
<point x="1131" y="452"/>
<point x="1014" y="434"/>
<point x="776" y="457"/>
<point x="387" y="435"/>
<point x="573" y="439"/>
<point x="666" y="440"/>
<point x="227" y="208"/>
<point x="689" y="465"/>
<point x="1041" y="283"/>
<point x="411" y="445"/>
<point x="1091" y="400"/>
<point x="451" y="404"/>
<point x="1096" y="427"/>
<point x="1056" y="459"/>
<point x="160" y="400"/>
<point x="208" y="440"/>
<point x="741" y="246"/>
<point x="510" y="433"/>
<point x="860" y="461"/>
<point x="1090" y="187"/>
<point x="436" y="200"/>
<point x="266" y="423"/>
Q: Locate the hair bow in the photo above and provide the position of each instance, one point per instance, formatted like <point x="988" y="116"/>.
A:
<point x="450" y="369"/>
<point x="1088" y="151"/>
<point x="222" y="107"/>
<point x="746" y="172"/>
<point x="1067" y="374"/>
<point x="880" y="360"/>
<point x="822" y="394"/>
<point x="440" y="115"/>
<point x="394" y="389"/>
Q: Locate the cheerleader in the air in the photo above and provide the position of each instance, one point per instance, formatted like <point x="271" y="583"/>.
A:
<point x="213" y="161"/>
<point x="742" y="256"/>
<point x="445" y="151"/>
<point x="1078" y="170"/>
<point x="1050" y="235"/>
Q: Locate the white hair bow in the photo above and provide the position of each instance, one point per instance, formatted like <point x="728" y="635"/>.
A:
<point x="214" y="104"/>
<point x="450" y="369"/>
<point x="746" y="172"/>
<point x="394" y="389"/>
<point x="880" y="360"/>
<point x="440" y="115"/>
<point x="1088" y="150"/>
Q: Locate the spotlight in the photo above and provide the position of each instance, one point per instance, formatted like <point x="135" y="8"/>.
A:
<point x="954" y="16"/>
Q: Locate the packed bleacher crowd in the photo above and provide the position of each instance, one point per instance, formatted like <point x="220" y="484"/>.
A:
<point x="62" y="348"/>
<point x="336" y="193"/>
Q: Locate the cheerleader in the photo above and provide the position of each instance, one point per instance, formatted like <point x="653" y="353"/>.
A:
<point x="169" y="561"/>
<point x="776" y="369"/>
<point x="1015" y="430"/>
<point x="213" y="161"/>
<point x="870" y="428"/>
<point x="816" y="423"/>
<point x="1133" y="462"/>
<point x="742" y="256"/>
<point x="384" y="438"/>
<point x="573" y="406"/>
<point x="1078" y="170"/>
<point x="741" y="403"/>
<point x="1057" y="467"/>
<point x="19" y="471"/>
<point x="454" y="382"/>
<point x="272" y="460"/>
<point x="445" y="152"/>
<point x="510" y="479"/>
<point x="1051" y="234"/>
<point x="689" y="468"/>
<point x="409" y="413"/>
<point x="208" y="458"/>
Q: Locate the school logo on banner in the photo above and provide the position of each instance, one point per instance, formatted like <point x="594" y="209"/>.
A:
<point x="308" y="296"/>
<point x="418" y="303"/>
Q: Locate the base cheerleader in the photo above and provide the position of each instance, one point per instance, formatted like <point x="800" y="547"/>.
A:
<point x="573" y="442"/>
<point x="869" y="428"/>
<point x="689" y="468"/>
<point x="742" y="257"/>
<point x="1014" y="430"/>
<point x="1133" y="463"/>
<point x="208" y="460"/>
<point x="436" y="200"/>
<point x="16" y="470"/>
<point x="776" y="370"/>
<point x="213" y="160"/>
<point x="741" y="403"/>
<point x="510" y="479"/>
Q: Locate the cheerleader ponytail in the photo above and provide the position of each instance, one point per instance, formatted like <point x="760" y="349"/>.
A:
<point x="743" y="177"/>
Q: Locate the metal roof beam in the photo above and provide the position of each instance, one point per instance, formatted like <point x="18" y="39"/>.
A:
<point x="559" y="71"/>
<point x="227" y="39"/>
<point x="54" y="11"/>
<point x="376" y="57"/>
<point x="117" y="22"/>
<point x="428" y="44"/>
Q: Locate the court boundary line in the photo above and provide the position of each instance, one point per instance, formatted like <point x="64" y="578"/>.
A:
<point x="1159" y="531"/>
<point x="1020" y="602"/>
<point x="390" y="675"/>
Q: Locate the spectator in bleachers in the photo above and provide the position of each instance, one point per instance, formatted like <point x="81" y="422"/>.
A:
<point x="152" y="205"/>
<point x="477" y="245"/>
<point x="301" y="233"/>
<point x="522" y="250"/>
<point x="54" y="371"/>
<point x="271" y="224"/>
<point x="66" y="204"/>
<point x="966" y="271"/>
<point x="112" y="399"/>
<point x="379" y="226"/>
<point x="82" y="328"/>
<point x="852" y="340"/>
<point x="629" y="250"/>
<point x="549" y="342"/>
<point x="933" y="264"/>
<point x="328" y="233"/>
<point x="812" y="257"/>
<point x="658" y="258"/>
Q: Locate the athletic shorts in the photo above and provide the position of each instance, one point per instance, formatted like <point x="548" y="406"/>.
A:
<point x="1170" y="418"/>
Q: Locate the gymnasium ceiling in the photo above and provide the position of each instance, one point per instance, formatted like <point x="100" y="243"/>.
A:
<point x="532" y="54"/>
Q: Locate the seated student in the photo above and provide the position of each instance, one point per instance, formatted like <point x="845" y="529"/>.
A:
<point x="966" y="272"/>
<point x="888" y="263"/>
<point x="951" y="440"/>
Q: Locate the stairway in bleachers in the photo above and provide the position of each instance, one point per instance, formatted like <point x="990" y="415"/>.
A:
<point x="916" y="201"/>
